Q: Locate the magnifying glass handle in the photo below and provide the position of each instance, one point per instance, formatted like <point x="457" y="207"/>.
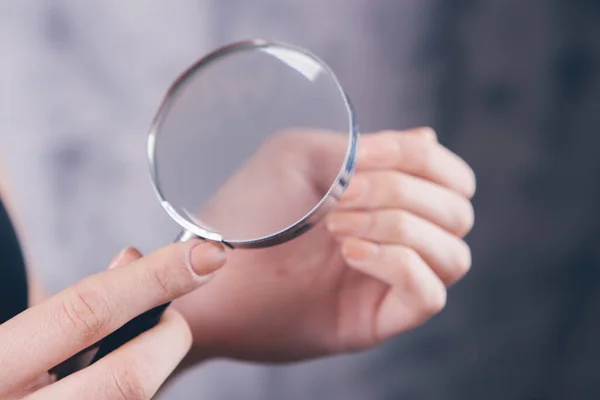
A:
<point x="129" y="331"/>
<point x="124" y="334"/>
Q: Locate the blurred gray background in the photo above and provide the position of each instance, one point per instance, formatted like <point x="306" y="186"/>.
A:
<point x="512" y="86"/>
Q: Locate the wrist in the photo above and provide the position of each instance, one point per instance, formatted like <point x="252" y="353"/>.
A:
<point x="203" y="347"/>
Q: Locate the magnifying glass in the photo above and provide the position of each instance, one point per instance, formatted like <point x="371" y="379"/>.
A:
<point x="252" y="146"/>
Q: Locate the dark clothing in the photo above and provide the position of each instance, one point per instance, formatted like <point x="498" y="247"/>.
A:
<point x="13" y="281"/>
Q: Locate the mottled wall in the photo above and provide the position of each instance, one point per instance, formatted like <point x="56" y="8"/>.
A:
<point x="513" y="86"/>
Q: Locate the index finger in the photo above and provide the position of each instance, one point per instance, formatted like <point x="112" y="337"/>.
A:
<point x="46" y="335"/>
<point x="417" y="155"/>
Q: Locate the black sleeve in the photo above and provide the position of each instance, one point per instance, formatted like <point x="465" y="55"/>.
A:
<point x="13" y="280"/>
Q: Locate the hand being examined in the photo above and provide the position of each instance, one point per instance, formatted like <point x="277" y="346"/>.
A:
<point x="378" y="266"/>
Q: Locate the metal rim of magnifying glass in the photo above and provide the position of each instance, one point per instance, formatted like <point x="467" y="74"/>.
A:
<point x="311" y="218"/>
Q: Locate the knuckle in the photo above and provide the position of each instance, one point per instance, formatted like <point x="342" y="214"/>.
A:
<point x="163" y="281"/>
<point x="424" y="155"/>
<point x="401" y="225"/>
<point x="409" y="257"/>
<point x="431" y="293"/>
<point x="436" y="300"/>
<point x="400" y="189"/>
<point x="126" y="384"/>
<point x="463" y="261"/>
<point x="469" y="218"/>
<point x="429" y="133"/>
<point x="84" y="313"/>
<point x="171" y="275"/>
<point x="409" y="260"/>
<point x="466" y="219"/>
<point x="472" y="182"/>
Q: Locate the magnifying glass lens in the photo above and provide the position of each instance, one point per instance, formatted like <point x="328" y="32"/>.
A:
<point x="251" y="146"/>
<point x="250" y="141"/>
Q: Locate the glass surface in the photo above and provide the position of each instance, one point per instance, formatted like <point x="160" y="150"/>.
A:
<point x="251" y="141"/>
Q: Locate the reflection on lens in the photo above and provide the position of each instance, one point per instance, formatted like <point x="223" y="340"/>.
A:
<point x="250" y="140"/>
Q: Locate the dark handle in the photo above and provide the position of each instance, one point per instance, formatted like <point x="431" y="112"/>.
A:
<point x="130" y="330"/>
<point x="95" y="352"/>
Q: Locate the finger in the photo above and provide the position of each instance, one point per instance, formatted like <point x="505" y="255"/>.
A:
<point x="371" y="190"/>
<point x="416" y="155"/>
<point x="30" y="387"/>
<point x="448" y="256"/>
<point x="78" y="317"/>
<point x="134" y="371"/>
<point x="416" y="292"/>
<point x="125" y="256"/>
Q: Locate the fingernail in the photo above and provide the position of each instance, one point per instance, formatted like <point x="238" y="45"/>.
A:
<point x="357" y="251"/>
<point x="347" y="223"/>
<point x="355" y="190"/>
<point x="207" y="257"/>
<point x="117" y="259"/>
